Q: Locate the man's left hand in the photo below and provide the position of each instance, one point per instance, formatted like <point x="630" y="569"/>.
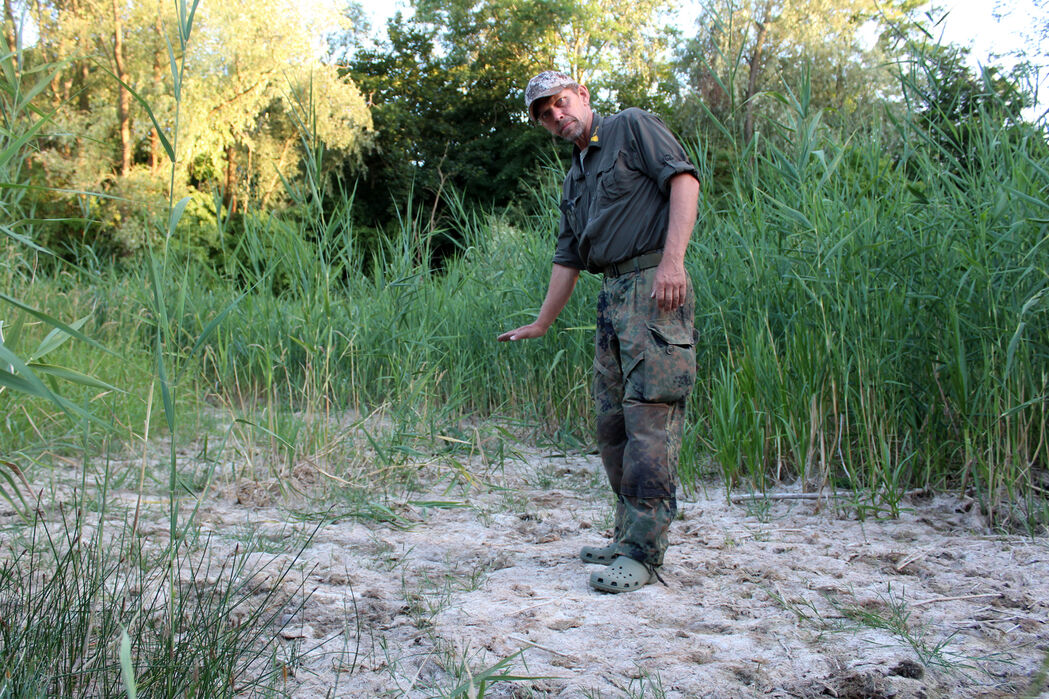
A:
<point x="670" y="285"/>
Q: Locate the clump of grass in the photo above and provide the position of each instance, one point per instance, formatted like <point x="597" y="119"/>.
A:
<point x="893" y="616"/>
<point x="69" y="593"/>
<point x="477" y="681"/>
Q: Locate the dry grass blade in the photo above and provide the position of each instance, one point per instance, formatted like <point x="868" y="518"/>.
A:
<point x="16" y="481"/>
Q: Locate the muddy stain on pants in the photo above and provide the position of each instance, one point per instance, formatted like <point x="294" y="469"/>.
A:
<point x="644" y="369"/>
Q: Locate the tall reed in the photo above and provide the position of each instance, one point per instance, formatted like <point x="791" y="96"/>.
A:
<point x="878" y="322"/>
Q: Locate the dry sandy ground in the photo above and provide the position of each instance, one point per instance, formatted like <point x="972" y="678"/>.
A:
<point x="777" y="599"/>
<point x="784" y="599"/>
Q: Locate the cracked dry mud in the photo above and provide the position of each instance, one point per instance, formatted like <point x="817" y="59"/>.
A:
<point x="792" y="599"/>
<point x="780" y="599"/>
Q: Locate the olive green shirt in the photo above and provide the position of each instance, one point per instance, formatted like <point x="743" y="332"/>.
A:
<point x="614" y="203"/>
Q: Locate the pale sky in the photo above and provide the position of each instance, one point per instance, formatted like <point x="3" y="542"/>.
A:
<point x="973" y="23"/>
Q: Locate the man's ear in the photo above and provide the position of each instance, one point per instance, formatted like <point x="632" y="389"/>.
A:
<point x="584" y="94"/>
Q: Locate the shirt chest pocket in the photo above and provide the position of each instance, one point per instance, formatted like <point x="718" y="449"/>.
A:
<point x="616" y="179"/>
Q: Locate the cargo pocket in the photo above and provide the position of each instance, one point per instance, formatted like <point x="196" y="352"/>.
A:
<point x="670" y="363"/>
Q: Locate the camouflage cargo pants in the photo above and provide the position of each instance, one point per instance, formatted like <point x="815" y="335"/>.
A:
<point x="644" y="368"/>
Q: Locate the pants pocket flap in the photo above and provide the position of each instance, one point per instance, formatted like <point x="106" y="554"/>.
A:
<point x="675" y="334"/>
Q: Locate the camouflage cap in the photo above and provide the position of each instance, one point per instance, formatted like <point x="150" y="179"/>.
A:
<point x="547" y="83"/>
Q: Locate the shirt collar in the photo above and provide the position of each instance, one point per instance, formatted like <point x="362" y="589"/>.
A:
<point x="595" y="132"/>
<point x="595" y="142"/>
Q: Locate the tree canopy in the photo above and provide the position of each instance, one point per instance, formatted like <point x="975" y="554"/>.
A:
<point x="744" y="48"/>
<point x="447" y="90"/>
<point x="250" y="82"/>
<point x="435" y="104"/>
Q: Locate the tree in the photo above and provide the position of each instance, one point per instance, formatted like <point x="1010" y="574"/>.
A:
<point x="10" y="28"/>
<point x="447" y="90"/>
<point x="92" y="41"/>
<point x="251" y="85"/>
<point x="1033" y="55"/>
<point x="746" y="47"/>
<point x="620" y="48"/>
<point x="100" y="48"/>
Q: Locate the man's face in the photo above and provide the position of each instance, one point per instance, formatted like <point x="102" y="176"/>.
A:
<point x="567" y="114"/>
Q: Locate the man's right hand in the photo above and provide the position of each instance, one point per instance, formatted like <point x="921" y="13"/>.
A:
<point x="562" y="281"/>
<point x="525" y="332"/>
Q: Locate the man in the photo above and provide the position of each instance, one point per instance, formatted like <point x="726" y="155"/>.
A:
<point x="628" y="208"/>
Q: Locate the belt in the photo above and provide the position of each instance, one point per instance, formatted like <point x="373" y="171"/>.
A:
<point x="634" y="264"/>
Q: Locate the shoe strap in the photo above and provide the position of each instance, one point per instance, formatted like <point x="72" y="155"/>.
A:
<point x="654" y="571"/>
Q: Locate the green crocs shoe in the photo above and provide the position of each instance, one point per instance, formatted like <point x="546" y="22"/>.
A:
<point x="599" y="554"/>
<point x="623" y="575"/>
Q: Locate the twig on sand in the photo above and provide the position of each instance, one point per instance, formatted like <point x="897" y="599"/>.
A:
<point x="538" y="604"/>
<point x="934" y="600"/>
<point x="748" y="497"/>
<point x="418" y="672"/>
<point x="536" y="645"/>
<point x="911" y="559"/>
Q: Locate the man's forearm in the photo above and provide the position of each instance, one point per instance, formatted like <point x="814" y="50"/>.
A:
<point x="684" y="195"/>
<point x="562" y="283"/>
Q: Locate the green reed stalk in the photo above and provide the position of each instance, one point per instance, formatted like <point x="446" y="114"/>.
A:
<point x="904" y="302"/>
